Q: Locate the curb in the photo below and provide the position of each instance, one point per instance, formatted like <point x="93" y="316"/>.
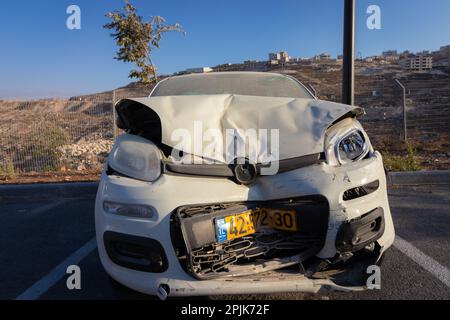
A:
<point x="419" y="178"/>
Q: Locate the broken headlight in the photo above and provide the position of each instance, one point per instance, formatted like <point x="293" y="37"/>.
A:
<point x="346" y="142"/>
<point x="136" y="157"/>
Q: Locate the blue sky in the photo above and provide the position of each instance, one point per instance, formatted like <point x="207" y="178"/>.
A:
<point x="40" y="57"/>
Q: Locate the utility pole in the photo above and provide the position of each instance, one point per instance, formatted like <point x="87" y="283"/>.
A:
<point x="405" y="134"/>
<point x="348" y="73"/>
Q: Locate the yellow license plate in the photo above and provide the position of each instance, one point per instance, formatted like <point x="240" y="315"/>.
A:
<point x="235" y="226"/>
<point x="285" y="220"/>
<point x="246" y="223"/>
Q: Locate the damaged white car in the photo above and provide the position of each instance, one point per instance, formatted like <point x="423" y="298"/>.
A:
<point x="241" y="183"/>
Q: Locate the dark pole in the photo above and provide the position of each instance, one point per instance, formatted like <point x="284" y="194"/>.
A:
<point x="405" y="132"/>
<point x="348" y="73"/>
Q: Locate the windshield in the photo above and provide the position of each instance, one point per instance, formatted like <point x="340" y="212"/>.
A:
<point x="250" y="84"/>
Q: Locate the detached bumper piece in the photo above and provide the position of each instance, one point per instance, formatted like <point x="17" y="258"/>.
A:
<point x="359" y="233"/>
<point x="137" y="253"/>
<point x="195" y="239"/>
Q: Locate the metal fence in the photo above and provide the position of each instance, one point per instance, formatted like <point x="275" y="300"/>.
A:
<point x="425" y="109"/>
<point x="55" y="135"/>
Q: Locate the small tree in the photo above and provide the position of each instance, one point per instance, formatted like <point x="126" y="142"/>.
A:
<point x="137" y="38"/>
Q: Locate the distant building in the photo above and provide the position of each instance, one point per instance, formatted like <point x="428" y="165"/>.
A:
<point x="284" y="57"/>
<point x="279" y="57"/>
<point x="199" y="70"/>
<point x="418" y="63"/>
<point x="390" y="53"/>
<point x="322" y="57"/>
<point x="274" y="56"/>
<point x="442" y="53"/>
<point x="423" y="53"/>
<point x="340" y="57"/>
<point x="445" y="51"/>
<point x="274" y="62"/>
<point x="392" y="58"/>
<point x="405" y="54"/>
<point x="296" y="59"/>
<point x="441" y="58"/>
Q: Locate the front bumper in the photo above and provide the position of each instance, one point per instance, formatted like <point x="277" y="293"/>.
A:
<point x="171" y="192"/>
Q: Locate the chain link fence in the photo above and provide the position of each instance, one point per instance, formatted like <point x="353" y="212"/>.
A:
<point x="427" y="118"/>
<point x="54" y="135"/>
<point x="67" y="136"/>
<point x="427" y="110"/>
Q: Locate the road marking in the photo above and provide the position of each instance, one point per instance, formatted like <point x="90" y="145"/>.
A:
<point x="432" y="266"/>
<point x="41" y="286"/>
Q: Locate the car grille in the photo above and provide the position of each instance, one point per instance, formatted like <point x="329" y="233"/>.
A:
<point x="194" y="237"/>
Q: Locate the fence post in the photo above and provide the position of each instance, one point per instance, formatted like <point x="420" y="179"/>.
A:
<point x="114" y="114"/>
<point x="404" y="110"/>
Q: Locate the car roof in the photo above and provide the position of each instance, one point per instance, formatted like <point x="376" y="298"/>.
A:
<point x="190" y="75"/>
<point x="227" y="72"/>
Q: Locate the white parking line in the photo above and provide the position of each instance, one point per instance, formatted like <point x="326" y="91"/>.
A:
<point x="432" y="266"/>
<point x="40" y="287"/>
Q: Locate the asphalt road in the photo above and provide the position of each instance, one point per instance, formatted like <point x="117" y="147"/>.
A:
<point x="40" y="230"/>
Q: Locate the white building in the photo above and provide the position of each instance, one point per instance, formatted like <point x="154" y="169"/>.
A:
<point x="279" y="57"/>
<point x="322" y="57"/>
<point x="284" y="57"/>
<point x="392" y="58"/>
<point x="274" y="56"/>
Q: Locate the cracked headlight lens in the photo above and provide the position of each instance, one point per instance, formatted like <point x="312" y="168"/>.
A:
<point x="136" y="158"/>
<point x="346" y="142"/>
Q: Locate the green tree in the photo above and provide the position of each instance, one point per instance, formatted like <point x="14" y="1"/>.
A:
<point x="136" y="39"/>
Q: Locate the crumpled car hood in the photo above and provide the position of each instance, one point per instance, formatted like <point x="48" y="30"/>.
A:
<point x="302" y="123"/>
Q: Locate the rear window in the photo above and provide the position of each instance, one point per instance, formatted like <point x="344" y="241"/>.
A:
<point x="254" y="84"/>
